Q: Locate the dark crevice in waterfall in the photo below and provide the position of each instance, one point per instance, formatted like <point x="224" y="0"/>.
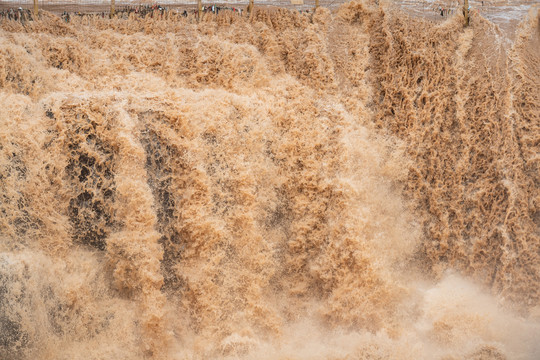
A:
<point x="90" y="171"/>
<point x="158" y="155"/>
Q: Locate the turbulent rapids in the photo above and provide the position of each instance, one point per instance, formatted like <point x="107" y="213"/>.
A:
<point x="346" y="185"/>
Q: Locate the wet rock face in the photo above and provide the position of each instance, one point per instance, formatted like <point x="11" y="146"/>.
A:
<point x="13" y="337"/>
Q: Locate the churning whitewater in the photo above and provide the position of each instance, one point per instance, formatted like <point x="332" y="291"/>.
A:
<point x="347" y="185"/>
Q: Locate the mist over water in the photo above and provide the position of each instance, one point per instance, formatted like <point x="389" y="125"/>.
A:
<point x="355" y="185"/>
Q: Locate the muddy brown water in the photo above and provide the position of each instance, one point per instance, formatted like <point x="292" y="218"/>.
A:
<point x="356" y="184"/>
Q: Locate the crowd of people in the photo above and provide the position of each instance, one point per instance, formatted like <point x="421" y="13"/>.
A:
<point x="445" y="11"/>
<point x="216" y="9"/>
<point x="139" y="10"/>
<point x="154" y="10"/>
<point x="124" y="12"/>
<point x="19" y="14"/>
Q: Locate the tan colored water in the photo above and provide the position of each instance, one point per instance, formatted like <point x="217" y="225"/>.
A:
<point x="359" y="186"/>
